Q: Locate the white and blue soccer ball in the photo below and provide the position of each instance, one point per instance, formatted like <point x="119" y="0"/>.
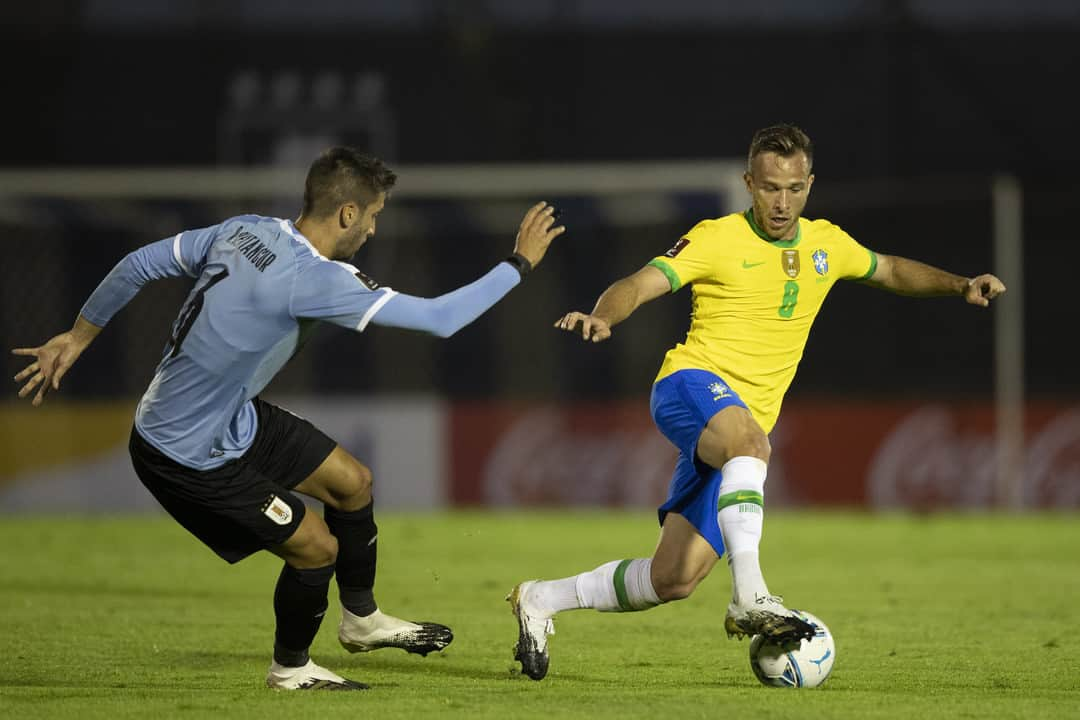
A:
<point x="807" y="664"/>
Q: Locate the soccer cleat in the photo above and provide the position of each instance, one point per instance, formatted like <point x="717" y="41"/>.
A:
<point x="378" y="630"/>
<point x="308" y="677"/>
<point x="531" y="649"/>
<point x="766" y="616"/>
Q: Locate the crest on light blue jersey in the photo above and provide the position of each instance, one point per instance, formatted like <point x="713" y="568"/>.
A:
<point x="821" y="261"/>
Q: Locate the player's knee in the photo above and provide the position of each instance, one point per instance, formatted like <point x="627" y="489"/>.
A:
<point x="320" y="550"/>
<point x="355" y="489"/>
<point x="754" y="444"/>
<point x="748" y="441"/>
<point x="674" y="585"/>
<point x="323" y="551"/>
<point x="734" y="433"/>
<point x="670" y="590"/>
<point x="361" y="481"/>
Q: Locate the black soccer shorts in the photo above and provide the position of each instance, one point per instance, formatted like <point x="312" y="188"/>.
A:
<point x="246" y="504"/>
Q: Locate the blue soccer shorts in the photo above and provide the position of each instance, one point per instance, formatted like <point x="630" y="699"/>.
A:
<point x="682" y="405"/>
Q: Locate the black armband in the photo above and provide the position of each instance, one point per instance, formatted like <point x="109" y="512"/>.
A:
<point x="520" y="263"/>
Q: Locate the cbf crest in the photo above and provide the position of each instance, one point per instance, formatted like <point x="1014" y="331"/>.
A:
<point x="719" y="391"/>
<point x="821" y="261"/>
<point x="789" y="259"/>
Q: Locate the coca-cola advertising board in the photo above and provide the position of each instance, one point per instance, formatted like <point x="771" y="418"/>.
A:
<point x="875" y="454"/>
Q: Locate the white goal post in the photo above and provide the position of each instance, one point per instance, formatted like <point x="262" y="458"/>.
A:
<point x="417" y="181"/>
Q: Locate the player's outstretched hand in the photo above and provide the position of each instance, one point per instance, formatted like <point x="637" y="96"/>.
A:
<point x="537" y="231"/>
<point x="590" y="327"/>
<point x="51" y="362"/>
<point x="982" y="289"/>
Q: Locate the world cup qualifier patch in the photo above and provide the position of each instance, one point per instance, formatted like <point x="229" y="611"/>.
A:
<point x="368" y="282"/>
<point x="277" y="510"/>
<point x="678" y="248"/>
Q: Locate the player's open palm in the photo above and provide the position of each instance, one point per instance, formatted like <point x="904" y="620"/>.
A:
<point x="982" y="289"/>
<point x="537" y="230"/>
<point x="590" y="326"/>
<point x="51" y="361"/>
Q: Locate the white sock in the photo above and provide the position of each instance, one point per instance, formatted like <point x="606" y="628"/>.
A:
<point x="547" y="597"/>
<point x="618" y="586"/>
<point x="740" y="515"/>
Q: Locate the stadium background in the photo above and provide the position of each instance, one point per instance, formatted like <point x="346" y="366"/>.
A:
<point x="915" y="108"/>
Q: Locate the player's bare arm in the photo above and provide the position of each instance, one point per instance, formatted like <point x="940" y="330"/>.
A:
<point x="53" y="359"/>
<point x="911" y="277"/>
<point x="616" y="304"/>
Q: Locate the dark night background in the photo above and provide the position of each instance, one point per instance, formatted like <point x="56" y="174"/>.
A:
<point x="913" y="106"/>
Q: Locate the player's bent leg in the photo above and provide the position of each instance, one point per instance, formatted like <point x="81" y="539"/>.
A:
<point x="683" y="558"/>
<point x="617" y="586"/>
<point x="343" y="483"/>
<point x="730" y="433"/>
<point x="733" y="442"/>
<point x="300" y="602"/>
<point x="310" y="546"/>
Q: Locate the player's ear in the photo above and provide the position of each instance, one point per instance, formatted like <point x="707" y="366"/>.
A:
<point x="348" y="214"/>
<point x="748" y="179"/>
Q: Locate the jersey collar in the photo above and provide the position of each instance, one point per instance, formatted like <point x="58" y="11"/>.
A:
<point x="749" y="215"/>
<point x="290" y="229"/>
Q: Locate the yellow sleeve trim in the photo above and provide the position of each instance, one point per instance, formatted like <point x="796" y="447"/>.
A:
<point x="669" y="273"/>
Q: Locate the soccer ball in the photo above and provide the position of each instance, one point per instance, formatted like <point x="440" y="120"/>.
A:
<point x="807" y="664"/>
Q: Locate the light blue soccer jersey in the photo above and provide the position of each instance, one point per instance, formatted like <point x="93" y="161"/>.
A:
<point x="259" y="286"/>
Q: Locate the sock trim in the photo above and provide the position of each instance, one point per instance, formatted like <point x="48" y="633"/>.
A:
<point x="620" y="585"/>
<point x="738" y="497"/>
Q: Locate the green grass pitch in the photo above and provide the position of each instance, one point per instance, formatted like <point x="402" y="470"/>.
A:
<point x="968" y="616"/>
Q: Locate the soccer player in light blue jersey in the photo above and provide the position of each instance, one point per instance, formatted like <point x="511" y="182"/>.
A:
<point x="224" y="463"/>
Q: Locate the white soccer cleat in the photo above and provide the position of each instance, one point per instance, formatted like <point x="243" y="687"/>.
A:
<point x="767" y="616"/>
<point x="308" y="677"/>
<point x="379" y="630"/>
<point x="533" y="630"/>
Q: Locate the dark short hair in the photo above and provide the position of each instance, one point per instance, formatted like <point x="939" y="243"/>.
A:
<point x="341" y="175"/>
<point x="784" y="140"/>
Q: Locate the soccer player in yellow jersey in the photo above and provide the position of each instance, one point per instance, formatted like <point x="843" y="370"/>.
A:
<point x="758" y="279"/>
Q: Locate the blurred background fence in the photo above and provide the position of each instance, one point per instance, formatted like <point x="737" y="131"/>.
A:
<point x="634" y="119"/>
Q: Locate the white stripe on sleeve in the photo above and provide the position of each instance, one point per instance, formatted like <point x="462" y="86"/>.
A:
<point x="376" y="307"/>
<point x="178" y="257"/>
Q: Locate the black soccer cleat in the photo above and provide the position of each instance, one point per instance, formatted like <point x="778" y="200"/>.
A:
<point x="384" y="631"/>
<point x="767" y="616"/>
<point x="791" y="630"/>
<point x="431" y="637"/>
<point x="531" y="649"/>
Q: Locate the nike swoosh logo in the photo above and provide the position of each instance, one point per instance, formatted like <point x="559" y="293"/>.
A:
<point x="748" y="265"/>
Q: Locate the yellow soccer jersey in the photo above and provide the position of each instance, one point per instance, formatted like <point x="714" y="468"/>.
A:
<point x="754" y="300"/>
